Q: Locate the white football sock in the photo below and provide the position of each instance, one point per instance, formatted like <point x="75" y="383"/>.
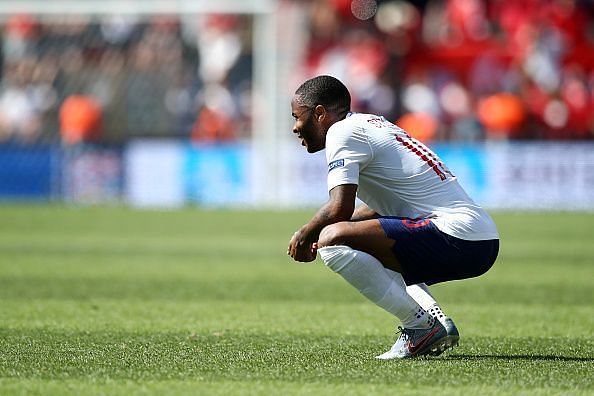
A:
<point x="368" y="275"/>
<point x="420" y="292"/>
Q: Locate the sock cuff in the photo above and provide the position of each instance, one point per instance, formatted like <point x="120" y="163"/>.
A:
<point x="336" y="257"/>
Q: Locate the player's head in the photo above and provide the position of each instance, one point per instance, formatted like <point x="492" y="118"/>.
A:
<point x="317" y="104"/>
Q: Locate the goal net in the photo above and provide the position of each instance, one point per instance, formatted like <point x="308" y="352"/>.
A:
<point x="188" y="69"/>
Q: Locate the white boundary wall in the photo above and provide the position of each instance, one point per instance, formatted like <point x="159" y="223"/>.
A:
<point x="505" y="175"/>
<point x="526" y="176"/>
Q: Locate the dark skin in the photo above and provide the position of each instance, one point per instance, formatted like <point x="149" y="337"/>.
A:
<point x="337" y="222"/>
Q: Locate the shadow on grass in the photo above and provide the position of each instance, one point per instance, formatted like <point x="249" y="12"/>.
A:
<point x="520" y="357"/>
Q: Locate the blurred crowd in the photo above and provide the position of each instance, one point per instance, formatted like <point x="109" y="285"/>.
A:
<point x="463" y="69"/>
<point x="442" y="69"/>
<point x="79" y="79"/>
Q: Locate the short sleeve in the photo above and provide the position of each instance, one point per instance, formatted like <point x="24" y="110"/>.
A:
<point x="347" y="153"/>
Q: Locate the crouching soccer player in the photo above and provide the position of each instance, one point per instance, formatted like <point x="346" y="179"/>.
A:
<point x="417" y="226"/>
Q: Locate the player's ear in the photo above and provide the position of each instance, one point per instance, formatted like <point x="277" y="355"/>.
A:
<point x="320" y="112"/>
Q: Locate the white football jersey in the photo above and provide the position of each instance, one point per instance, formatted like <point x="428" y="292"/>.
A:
<point x="399" y="176"/>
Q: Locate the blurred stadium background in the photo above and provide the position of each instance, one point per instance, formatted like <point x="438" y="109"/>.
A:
<point x="155" y="103"/>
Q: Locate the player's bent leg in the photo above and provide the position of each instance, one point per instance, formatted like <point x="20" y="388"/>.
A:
<point x="368" y="276"/>
<point x="343" y="247"/>
<point x="421" y="333"/>
<point x="367" y="236"/>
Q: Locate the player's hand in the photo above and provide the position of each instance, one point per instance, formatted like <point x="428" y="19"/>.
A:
<point x="301" y="250"/>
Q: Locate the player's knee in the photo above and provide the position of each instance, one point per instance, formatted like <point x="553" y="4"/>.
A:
<point x="332" y="235"/>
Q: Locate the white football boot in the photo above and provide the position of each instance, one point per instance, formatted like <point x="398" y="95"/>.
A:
<point x="451" y="340"/>
<point x="417" y="342"/>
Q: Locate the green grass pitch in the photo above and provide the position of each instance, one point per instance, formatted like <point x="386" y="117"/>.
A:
<point x="116" y="301"/>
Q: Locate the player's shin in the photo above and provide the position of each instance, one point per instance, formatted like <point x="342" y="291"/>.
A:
<point x="367" y="275"/>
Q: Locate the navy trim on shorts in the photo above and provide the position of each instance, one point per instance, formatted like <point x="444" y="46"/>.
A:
<point x="427" y="255"/>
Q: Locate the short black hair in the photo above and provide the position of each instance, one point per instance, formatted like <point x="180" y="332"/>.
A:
<point x="326" y="91"/>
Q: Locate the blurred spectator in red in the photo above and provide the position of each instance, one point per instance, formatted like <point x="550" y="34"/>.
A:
<point x="502" y="115"/>
<point x="212" y="126"/>
<point x="421" y="126"/>
<point x="20" y="36"/>
<point x="80" y="120"/>
<point x="216" y="118"/>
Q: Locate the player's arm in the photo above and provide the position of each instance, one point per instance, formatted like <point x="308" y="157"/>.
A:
<point x="340" y="207"/>
<point x="363" y="212"/>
